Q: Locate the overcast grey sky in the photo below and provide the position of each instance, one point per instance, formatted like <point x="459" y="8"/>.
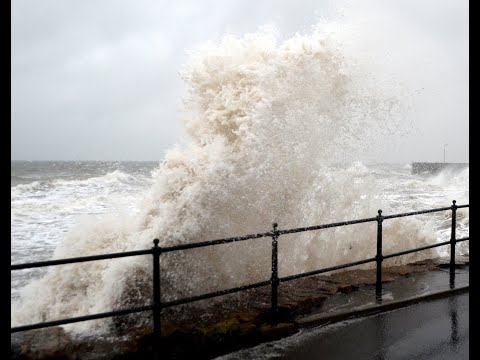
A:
<point x="99" y="80"/>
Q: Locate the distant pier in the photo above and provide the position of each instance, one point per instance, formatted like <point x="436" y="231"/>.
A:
<point x="435" y="167"/>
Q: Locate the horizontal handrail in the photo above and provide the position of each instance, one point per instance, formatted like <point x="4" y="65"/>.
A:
<point x="416" y="212"/>
<point x="388" y="256"/>
<point x="82" y="318"/>
<point x="214" y="242"/>
<point x="194" y="245"/>
<point x="79" y="259"/>
<point x="215" y="294"/>
<point x="324" y="270"/>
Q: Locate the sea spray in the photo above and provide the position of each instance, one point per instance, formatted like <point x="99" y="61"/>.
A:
<point x="272" y="130"/>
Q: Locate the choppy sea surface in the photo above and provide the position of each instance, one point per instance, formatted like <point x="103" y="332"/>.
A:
<point x="49" y="198"/>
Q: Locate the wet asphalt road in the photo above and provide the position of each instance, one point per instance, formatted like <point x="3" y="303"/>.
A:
<point x="437" y="329"/>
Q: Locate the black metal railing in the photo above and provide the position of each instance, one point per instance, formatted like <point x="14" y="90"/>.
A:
<point x="157" y="305"/>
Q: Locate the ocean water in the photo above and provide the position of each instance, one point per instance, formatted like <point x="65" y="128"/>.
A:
<point x="276" y="131"/>
<point x="51" y="198"/>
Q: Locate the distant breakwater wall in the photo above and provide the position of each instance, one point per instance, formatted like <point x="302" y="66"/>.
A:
<point x="435" y="167"/>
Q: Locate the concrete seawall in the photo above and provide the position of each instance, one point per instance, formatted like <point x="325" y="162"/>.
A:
<point x="435" y="167"/>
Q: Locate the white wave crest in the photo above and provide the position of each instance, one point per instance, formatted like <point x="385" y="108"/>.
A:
<point x="269" y="126"/>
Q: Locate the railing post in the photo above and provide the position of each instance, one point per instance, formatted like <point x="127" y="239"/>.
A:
<point x="157" y="304"/>
<point x="452" y="244"/>
<point x="274" y="279"/>
<point x="379" y="257"/>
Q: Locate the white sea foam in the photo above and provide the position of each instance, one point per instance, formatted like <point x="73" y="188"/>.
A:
<point x="271" y="126"/>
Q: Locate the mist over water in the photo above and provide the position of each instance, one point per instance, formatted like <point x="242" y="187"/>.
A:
<point x="275" y="133"/>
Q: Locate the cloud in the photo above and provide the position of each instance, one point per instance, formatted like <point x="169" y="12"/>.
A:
<point x="92" y="79"/>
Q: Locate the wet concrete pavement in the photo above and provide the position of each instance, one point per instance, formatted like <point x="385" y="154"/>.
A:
<point x="434" y="329"/>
